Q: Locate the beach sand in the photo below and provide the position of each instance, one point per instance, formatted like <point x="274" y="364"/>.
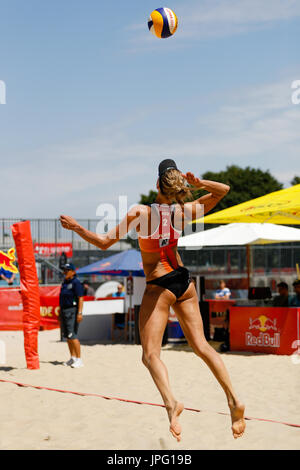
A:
<point x="38" y="419"/>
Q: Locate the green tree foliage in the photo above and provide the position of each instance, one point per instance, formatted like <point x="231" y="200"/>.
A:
<point x="148" y="198"/>
<point x="295" y="180"/>
<point x="245" y="184"/>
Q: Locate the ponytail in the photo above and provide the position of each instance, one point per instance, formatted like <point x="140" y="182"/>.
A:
<point x="173" y="186"/>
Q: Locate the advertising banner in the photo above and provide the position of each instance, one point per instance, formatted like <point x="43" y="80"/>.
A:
<point x="273" y="330"/>
<point x="11" y="308"/>
<point x="52" y="249"/>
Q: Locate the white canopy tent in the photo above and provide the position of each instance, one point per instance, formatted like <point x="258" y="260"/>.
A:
<point x="242" y="234"/>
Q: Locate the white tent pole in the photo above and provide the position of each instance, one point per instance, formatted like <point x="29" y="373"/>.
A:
<point x="248" y="265"/>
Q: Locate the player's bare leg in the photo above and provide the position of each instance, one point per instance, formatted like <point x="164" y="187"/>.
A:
<point x="154" y="314"/>
<point x="188" y="314"/>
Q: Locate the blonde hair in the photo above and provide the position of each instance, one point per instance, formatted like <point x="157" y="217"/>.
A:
<point x="173" y="186"/>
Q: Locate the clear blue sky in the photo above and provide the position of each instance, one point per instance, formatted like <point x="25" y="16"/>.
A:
<point x="94" y="101"/>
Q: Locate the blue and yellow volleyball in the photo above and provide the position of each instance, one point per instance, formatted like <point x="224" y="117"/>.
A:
<point x="163" y="22"/>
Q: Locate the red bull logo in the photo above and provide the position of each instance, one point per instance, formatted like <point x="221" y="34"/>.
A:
<point x="264" y="325"/>
<point x="7" y="260"/>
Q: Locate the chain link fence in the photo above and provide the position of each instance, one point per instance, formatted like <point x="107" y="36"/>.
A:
<point x="267" y="259"/>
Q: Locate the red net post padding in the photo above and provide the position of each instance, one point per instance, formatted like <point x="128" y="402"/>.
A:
<point x="29" y="291"/>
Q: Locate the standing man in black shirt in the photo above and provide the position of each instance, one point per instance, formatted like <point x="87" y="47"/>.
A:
<point x="71" y="305"/>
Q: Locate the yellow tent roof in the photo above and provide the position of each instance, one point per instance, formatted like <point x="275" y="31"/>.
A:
<point x="280" y="207"/>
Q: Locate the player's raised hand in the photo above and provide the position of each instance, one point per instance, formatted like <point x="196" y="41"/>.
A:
<point x="68" y="222"/>
<point x="193" y="180"/>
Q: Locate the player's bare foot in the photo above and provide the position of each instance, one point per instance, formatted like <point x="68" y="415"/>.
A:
<point x="237" y="418"/>
<point x="174" y="413"/>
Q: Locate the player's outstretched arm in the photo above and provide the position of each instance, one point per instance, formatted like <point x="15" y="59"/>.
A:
<point x="103" y="241"/>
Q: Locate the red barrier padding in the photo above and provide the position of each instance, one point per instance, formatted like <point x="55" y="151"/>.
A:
<point x="29" y="291"/>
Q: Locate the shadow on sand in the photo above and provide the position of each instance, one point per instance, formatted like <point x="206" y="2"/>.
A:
<point x="7" y="369"/>
<point x="54" y="363"/>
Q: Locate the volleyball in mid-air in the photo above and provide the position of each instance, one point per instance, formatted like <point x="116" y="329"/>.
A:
<point x="163" y="22"/>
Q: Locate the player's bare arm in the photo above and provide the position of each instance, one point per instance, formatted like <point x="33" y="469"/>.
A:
<point x="104" y="241"/>
<point x="216" y="192"/>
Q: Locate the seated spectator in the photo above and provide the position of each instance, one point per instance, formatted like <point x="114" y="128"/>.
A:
<point x="281" y="300"/>
<point x="223" y="292"/>
<point x="87" y="289"/>
<point x="120" y="292"/>
<point x="7" y="276"/>
<point x="294" y="300"/>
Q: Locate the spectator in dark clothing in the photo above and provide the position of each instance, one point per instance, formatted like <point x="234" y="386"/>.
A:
<point x="62" y="260"/>
<point x="71" y="306"/>
<point x="87" y="289"/>
<point x="281" y="300"/>
<point x="294" y="300"/>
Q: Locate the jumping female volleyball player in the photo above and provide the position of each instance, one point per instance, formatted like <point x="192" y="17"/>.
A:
<point x="168" y="282"/>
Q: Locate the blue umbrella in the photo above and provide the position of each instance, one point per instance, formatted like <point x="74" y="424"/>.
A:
<point x="126" y="263"/>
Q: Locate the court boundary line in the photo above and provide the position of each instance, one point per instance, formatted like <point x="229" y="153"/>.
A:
<point x="137" y="402"/>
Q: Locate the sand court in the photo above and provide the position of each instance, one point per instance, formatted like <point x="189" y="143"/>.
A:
<point x="41" y="419"/>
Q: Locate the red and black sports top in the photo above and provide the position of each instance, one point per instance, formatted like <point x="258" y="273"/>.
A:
<point x="163" y="236"/>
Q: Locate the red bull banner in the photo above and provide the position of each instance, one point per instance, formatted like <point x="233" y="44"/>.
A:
<point x="273" y="330"/>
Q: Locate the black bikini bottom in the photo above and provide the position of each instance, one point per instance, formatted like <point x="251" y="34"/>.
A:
<point x="176" y="281"/>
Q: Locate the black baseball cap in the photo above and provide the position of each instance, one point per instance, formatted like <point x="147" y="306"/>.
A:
<point x="69" y="267"/>
<point x="165" y="165"/>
